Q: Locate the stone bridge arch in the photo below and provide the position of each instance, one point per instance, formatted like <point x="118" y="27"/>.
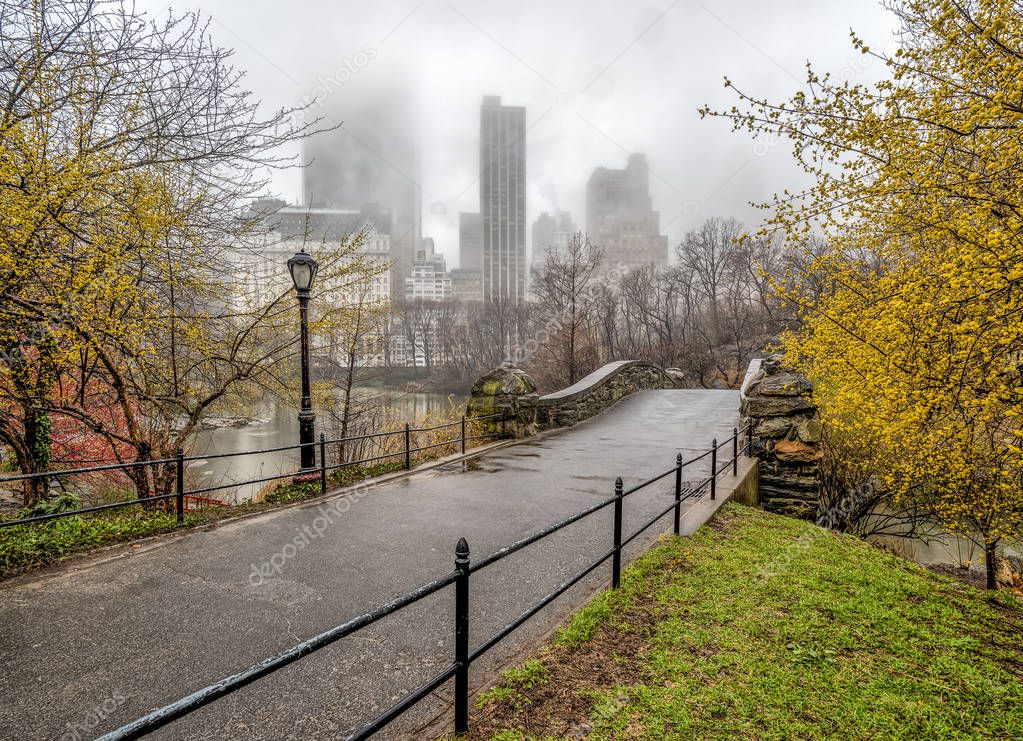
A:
<point x="509" y="390"/>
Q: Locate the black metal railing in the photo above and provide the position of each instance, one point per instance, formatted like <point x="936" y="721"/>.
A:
<point x="464" y="568"/>
<point x="181" y="494"/>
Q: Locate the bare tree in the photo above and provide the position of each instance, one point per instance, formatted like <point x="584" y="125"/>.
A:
<point x="565" y="292"/>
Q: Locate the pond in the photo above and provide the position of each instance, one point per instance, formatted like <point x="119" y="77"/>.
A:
<point x="276" y="425"/>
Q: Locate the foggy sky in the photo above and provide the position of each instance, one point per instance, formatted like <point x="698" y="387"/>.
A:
<point x="599" y="79"/>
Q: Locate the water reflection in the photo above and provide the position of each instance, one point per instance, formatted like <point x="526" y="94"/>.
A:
<point x="276" y="426"/>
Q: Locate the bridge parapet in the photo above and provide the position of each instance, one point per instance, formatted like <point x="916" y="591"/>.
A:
<point x="511" y="390"/>
<point x="596" y="392"/>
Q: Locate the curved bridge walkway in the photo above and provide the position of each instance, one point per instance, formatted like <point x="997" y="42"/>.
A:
<point x="90" y="647"/>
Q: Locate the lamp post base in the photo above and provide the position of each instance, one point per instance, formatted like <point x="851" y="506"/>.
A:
<point x="306" y="434"/>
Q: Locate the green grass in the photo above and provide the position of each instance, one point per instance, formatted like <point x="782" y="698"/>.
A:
<point x="27" y="546"/>
<point x="764" y="627"/>
<point x="531" y="674"/>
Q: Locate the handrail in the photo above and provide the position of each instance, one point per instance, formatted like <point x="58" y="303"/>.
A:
<point x="216" y="456"/>
<point x="181" y="460"/>
<point x="460" y="578"/>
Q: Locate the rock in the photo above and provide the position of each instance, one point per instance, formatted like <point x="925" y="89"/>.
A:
<point x="795" y="451"/>
<point x="809" y="430"/>
<point x="775" y="406"/>
<point x="804" y="509"/>
<point x="678" y="376"/>
<point x="783" y="384"/>
<point x="1005" y="577"/>
<point x="786" y="435"/>
<point x="505" y="380"/>
<point x="1016" y="562"/>
<point x="506" y="390"/>
<point x="772" y="427"/>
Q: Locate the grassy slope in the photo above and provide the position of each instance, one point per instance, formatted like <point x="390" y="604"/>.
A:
<point x="765" y="627"/>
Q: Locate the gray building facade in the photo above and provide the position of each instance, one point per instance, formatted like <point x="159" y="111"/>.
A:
<point x="503" y="200"/>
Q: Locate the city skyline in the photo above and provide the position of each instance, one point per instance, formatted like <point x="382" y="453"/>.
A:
<point x="592" y="96"/>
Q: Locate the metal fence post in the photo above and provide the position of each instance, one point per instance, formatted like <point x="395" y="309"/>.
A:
<point x="735" y="451"/>
<point x="323" y="464"/>
<point x="408" y="447"/>
<point x="462" y="637"/>
<point x="678" y="491"/>
<point x="749" y="439"/>
<point x="713" y="469"/>
<point x="616" y="559"/>
<point x="463" y="434"/>
<point x="180" y="484"/>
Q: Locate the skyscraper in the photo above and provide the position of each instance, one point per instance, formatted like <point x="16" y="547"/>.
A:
<point x="372" y="158"/>
<point x="551" y="232"/>
<point x="470" y="241"/>
<point x="503" y="199"/>
<point x="620" y="218"/>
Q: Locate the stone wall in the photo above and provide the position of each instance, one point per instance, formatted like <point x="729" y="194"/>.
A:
<point x="599" y="390"/>
<point x="786" y="437"/>
<point x="511" y="391"/>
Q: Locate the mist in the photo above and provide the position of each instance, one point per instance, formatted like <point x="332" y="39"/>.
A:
<point x="403" y="82"/>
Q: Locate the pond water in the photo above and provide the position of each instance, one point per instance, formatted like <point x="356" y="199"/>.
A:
<point x="276" y="426"/>
<point x="950" y="550"/>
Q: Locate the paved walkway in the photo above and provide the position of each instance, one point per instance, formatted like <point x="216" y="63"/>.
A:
<point x="93" y="647"/>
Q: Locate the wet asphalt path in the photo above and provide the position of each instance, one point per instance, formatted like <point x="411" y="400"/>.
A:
<point x="86" y="650"/>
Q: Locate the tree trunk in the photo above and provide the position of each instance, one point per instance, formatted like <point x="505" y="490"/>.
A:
<point x="37" y="451"/>
<point x="990" y="545"/>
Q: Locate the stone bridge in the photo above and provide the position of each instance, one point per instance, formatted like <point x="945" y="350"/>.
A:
<point x="94" y="643"/>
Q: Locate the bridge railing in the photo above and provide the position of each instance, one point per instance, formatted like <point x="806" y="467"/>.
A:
<point x="460" y="577"/>
<point x="186" y="499"/>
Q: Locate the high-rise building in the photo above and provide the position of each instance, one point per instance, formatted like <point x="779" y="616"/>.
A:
<point x="551" y="232"/>
<point x="466" y="285"/>
<point x="467" y="278"/>
<point x="620" y="219"/>
<point x="470" y="241"/>
<point x="430" y="280"/>
<point x="282" y="230"/>
<point x="260" y="266"/>
<point x="370" y="158"/>
<point x="503" y="199"/>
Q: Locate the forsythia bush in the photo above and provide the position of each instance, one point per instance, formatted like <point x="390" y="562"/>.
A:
<point x="913" y="329"/>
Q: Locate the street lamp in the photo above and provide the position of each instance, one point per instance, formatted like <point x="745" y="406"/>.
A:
<point x="303" y="267"/>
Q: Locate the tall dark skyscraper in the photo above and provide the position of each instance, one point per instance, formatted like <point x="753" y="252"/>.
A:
<point x="503" y="199"/>
<point x="620" y="218"/>
<point x="370" y="160"/>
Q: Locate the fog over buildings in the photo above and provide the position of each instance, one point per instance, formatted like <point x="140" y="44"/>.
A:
<point x="600" y="80"/>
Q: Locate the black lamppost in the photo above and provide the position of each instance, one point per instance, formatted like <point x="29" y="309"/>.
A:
<point x="303" y="269"/>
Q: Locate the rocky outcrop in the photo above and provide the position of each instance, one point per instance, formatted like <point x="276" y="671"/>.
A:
<point x="507" y="391"/>
<point x="510" y="391"/>
<point x="786" y="437"/>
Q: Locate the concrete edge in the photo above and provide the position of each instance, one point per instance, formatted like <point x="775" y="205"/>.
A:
<point x="90" y="559"/>
<point x="738" y="488"/>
